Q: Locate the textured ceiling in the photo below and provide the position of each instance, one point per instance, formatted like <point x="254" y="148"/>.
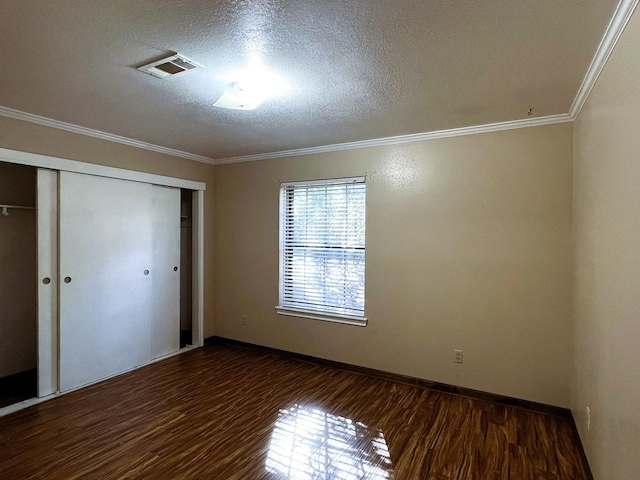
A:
<point x="356" y="69"/>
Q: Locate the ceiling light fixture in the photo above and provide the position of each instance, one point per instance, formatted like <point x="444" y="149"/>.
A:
<point x="241" y="96"/>
<point x="248" y="90"/>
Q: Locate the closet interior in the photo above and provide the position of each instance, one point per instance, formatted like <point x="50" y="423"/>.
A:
<point x="18" y="335"/>
<point x="186" y="270"/>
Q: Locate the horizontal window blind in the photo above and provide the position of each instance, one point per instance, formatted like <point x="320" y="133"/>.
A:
<point x="323" y="246"/>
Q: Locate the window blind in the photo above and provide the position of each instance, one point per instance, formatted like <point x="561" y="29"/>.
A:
<point x="322" y="248"/>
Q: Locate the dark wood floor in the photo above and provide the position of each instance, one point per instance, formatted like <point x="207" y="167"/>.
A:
<point x="224" y="412"/>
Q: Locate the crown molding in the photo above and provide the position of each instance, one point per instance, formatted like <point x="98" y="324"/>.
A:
<point x="615" y="28"/>
<point x="90" y="132"/>
<point x="400" y="139"/>
<point x="396" y="140"/>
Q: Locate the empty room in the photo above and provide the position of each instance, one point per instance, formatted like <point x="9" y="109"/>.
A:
<point x="330" y="239"/>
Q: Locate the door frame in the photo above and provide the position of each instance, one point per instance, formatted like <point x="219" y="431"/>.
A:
<point x="48" y="341"/>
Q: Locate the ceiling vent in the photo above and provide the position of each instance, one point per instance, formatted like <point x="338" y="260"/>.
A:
<point x="170" y="66"/>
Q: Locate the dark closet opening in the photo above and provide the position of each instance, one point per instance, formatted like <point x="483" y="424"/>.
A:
<point x="186" y="268"/>
<point x="18" y="291"/>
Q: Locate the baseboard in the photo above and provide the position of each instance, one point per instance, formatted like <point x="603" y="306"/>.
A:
<point x="394" y="377"/>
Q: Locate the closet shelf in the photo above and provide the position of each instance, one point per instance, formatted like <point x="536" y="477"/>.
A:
<point x="5" y="208"/>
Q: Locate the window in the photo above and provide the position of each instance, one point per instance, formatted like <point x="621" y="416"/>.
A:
<point x="322" y="250"/>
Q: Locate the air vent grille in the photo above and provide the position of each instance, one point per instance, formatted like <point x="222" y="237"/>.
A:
<point x="184" y="63"/>
<point x="170" y="66"/>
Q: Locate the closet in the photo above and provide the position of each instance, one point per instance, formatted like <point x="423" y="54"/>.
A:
<point x="119" y="264"/>
<point x="104" y="280"/>
<point x="17" y="283"/>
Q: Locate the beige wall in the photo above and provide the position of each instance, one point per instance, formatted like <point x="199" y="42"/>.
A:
<point x="17" y="270"/>
<point x="28" y="137"/>
<point x="468" y="246"/>
<point x="607" y="265"/>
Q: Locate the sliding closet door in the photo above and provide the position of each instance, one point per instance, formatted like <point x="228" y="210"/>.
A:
<point x="47" y="215"/>
<point x="105" y="281"/>
<point x="165" y="275"/>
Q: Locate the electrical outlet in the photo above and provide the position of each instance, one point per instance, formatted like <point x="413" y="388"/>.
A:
<point x="588" y="418"/>
<point x="244" y="320"/>
<point x="458" y="356"/>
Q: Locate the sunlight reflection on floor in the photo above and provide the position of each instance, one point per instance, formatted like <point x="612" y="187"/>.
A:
<point x="310" y="444"/>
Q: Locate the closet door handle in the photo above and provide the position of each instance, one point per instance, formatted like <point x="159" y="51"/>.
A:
<point x="67" y="279"/>
<point x="46" y="280"/>
<point x="146" y="272"/>
<point x="175" y="269"/>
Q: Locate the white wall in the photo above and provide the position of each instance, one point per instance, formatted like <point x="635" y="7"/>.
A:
<point x="468" y="246"/>
<point x="606" y="300"/>
<point x="17" y="271"/>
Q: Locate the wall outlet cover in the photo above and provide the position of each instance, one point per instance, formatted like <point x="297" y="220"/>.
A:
<point x="458" y="356"/>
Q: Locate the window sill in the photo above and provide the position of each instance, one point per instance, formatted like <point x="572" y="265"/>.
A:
<point x="325" y="317"/>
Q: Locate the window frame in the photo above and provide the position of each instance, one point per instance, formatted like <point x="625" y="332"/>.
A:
<point x="295" y="311"/>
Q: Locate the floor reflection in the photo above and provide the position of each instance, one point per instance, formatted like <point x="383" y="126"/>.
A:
<point x="309" y="444"/>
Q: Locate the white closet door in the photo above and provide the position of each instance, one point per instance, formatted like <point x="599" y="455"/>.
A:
<point x="165" y="317"/>
<point x="105" y="295"/>
<point x="47" y="213"/>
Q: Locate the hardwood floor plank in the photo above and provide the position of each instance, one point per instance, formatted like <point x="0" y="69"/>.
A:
<point x="224" y="412"/>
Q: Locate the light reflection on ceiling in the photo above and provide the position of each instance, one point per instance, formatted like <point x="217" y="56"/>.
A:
<point x="310" y="444"/>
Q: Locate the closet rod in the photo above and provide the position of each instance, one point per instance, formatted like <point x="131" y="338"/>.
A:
<point x="5" y="208"/>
